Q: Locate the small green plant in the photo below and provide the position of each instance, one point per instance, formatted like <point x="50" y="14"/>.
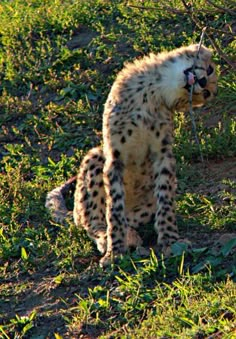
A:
<point x="19" y="326"/>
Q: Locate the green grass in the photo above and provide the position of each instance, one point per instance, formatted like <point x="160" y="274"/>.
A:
<point x="58" y="60"/>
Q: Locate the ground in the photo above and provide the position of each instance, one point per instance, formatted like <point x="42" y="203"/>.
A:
<point x="50" y="294"/>
<point x="57" y="63"/>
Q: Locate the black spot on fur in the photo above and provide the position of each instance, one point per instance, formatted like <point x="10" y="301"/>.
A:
<point x="116" y="153"/>
<point x="115" y="228"/>
<point x="163" y="187"/>
<point x="144" y="214"/>
<point x="91" y="184"/>
<point x="190" y="55"/>
<point x="122" y="140"/>
<point x="170" y="155"/>
<point x="98" y="171"/>
<point x="113" y="179"/>
<point x="162" y="124"/>
<point x="134" y="123"/>
<point x="145" y="98"/>
<point x="117" y="242"/>
<point x="130" y="132"/>
<point x="165" y="171"/>
<point x="95" y="218"/>
<point x="165" y="141"/>
<point x="85" y="197"/>
<point x="117" y="197"/>
<point x="119" y="208"/>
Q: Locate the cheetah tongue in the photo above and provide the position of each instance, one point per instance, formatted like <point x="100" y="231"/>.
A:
<point x="190" y="78"/>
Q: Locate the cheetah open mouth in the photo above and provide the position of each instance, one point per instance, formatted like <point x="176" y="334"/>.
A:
<point x="192" y="79"/>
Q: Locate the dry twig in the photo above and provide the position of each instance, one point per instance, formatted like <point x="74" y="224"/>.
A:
<point x="220" y="8"/>
<point x="191" y="12"/>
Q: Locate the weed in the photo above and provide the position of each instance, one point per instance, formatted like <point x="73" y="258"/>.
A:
<point x="18" y="326"/>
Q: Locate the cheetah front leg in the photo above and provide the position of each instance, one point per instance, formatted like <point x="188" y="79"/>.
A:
<point x="165" y="188"/>
<point x="115" y="209"/>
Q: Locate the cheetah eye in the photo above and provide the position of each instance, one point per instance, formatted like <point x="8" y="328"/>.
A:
<point x="210" y="70"/>
<point x="202" y="82"/>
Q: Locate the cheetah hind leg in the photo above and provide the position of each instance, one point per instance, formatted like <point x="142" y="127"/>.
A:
<point x="137" y="216"/>
<point x="90" y="202"/>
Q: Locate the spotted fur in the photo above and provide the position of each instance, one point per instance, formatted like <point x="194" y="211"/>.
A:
<point x="131" y="178"/>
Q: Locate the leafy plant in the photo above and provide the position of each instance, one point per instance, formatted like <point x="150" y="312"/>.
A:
<point x="20" y="326"/>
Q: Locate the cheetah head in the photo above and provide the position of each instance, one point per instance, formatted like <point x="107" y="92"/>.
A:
<point x="202" y="77"/>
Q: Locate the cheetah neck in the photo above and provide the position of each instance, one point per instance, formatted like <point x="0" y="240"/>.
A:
<point x="152" y="84"/>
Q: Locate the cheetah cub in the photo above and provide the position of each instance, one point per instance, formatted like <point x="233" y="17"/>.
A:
<point x="131" y="178"/>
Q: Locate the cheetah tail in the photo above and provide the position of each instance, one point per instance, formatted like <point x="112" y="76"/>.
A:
<point x="55" y="200"/>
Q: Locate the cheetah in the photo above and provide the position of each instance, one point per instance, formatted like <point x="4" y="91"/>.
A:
<point x="131" y="178"/>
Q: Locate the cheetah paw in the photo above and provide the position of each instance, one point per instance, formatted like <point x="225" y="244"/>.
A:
<point x="142" y="251"/>
<point x="133" y="238"/>
<point x="109" y="259"/>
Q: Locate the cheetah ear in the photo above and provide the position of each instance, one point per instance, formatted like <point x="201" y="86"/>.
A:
<point x="205" y="53"/>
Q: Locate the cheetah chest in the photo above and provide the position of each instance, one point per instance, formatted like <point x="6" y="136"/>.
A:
<point x="138" y="169"/>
